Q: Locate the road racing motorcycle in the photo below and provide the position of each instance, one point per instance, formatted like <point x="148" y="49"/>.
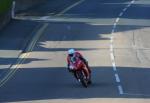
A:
<point x="80" y="71"/>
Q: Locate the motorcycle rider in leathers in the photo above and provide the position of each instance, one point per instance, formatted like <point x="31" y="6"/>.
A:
<point x="71" y="54"/>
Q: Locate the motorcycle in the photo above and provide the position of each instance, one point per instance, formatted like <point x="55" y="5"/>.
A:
<point x="80" y="71"/>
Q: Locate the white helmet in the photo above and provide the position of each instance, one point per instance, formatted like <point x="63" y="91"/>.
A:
<point x="71" y="51"/>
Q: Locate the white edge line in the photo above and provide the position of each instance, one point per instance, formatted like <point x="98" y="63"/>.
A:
<point x="120" y="89"/>
<point x="120" y="14"/>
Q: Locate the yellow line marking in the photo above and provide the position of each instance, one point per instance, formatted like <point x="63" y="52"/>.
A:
<point x="35" y="39"/>
<point x="23" y="56"/>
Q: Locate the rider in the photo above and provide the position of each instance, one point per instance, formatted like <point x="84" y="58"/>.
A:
<point x="72" y="53"/>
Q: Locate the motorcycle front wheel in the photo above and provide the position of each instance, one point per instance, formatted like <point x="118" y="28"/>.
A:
<point x="82" y="78"/>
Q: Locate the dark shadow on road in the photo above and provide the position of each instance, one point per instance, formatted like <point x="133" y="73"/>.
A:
<point x="49" y="7"/>
<point x="56" y="83"/>
<point x="58" y="34"/>
<point x="8" y="61"/>
<point x="83" y="31"/>
<point x="112" y="10"/>
<point x="17" y="34"/>
<point x="91" y="9"/>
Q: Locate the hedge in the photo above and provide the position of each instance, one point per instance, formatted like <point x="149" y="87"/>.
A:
<point x="5" y="5"/>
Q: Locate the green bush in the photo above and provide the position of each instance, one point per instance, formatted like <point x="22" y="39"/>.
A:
<point x="5" y="5"/>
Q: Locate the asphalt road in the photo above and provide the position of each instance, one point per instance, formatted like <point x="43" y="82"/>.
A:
<point x="42" y="76"/>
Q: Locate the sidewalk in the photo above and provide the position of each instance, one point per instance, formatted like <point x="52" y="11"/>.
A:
<point x="13" y="40"/>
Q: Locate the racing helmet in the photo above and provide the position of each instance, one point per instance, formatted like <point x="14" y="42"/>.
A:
<point x="71" y="52"/>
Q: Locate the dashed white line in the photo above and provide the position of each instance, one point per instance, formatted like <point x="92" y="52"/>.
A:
<point x="117" y="78"/>
<point x="112" y="56"/>
<point x="117" y="19"/>
<point x="112" y="48"/>
<point x="115" y="24"/>
<point x="114" y="68"/>
<point x="128" y="6"/>
<point x="113" y="30"/>
<point x="120" y="14"/>
<point x="120" y="89"/>
<point x="113" y="63"/>
<point x="132" y="1"/>
<point x="125" y="9"/>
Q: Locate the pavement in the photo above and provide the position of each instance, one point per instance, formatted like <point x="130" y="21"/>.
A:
<point x="112" y="35"/>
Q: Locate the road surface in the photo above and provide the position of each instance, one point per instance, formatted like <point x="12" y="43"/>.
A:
<point x="113" y="35"/>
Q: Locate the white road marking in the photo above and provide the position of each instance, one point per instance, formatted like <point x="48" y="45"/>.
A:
<point x="70" y="7"/>
<point x="117" y="78"/>
<point x="125" y="9"/>
<point x="132" y="1"/>
<point x="118" y="81"/>
<point x="114" y="27"/>
<point x="117" y="19"/>
<point x="113" y="30"/>
<point x="128" y="6"/>
<point x="120" y="89"/>
<point x="111" y="48"/>
<point x="120" y="14"/>
<point x="112" y="56"/>
<point x="114" y="68"/>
